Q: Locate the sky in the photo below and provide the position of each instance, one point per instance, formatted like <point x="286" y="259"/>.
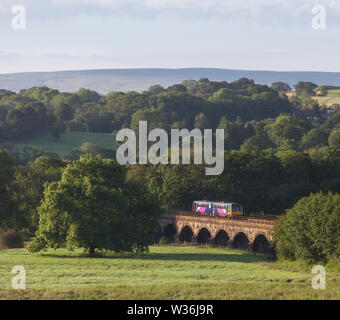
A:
<point x="233" y="34"/>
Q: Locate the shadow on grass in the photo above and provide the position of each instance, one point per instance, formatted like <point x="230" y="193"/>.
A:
<point x="227" y="257"/>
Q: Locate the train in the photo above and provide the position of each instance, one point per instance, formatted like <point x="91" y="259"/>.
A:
<point x="218" y="208"/>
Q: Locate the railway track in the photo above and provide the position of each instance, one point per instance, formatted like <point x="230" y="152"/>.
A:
<point x="249" y="217"/>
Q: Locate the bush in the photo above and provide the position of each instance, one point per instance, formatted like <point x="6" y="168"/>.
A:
<point x="11" y="239"/>
<point x="311" y="229"/>
<point x="164" y="240"/>
<point x="334" y="138"/>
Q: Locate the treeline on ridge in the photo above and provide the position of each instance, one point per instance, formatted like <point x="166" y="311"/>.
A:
<point x="251" y="114"/>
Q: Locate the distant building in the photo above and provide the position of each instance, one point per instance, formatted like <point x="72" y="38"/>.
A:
<point x="326" y="112"/>
<point x="320" y="91"/>
<point x="313" y="114"/>
<point x="306" y="114"/>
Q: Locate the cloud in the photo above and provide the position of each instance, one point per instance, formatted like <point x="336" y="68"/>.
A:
<point x="237" y="10"/>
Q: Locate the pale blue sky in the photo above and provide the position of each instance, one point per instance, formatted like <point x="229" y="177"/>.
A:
<point x="237" y="34"/>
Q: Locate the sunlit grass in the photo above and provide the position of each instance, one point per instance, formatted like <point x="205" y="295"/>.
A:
<point x="168" y="272"/>
<point x="333" y="97"/>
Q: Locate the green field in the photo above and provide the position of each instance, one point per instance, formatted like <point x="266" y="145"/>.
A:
<point x="333" y="97"/>
<point x="67" y="142"/>
<point x="168" y="272"/>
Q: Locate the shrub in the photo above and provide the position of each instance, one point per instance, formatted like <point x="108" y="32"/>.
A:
<point x="311" y="229"/>
<point x="11" y="239"/>
<point x="164" y="240"/>
<point x="334" y="138"/>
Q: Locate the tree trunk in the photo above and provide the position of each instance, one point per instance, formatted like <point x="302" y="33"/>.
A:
<point x="91" y="250"/>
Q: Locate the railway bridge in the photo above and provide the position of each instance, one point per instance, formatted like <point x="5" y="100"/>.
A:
<point x="251" y="233"/>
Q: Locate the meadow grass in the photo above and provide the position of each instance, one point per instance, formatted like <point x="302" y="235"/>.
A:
<point x="168" y="272"/>
<point x="333" y="97"/>
<point x="67" y="142"/>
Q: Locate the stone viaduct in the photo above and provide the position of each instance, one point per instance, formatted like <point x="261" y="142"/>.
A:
<point x="252" y="233"/>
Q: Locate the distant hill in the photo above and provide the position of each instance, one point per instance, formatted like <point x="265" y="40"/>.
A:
<point x="104" y="81"/>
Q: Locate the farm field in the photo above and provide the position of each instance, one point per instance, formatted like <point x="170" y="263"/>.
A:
<point x="67" y="142"/>
<point x="333" y="97"/>
<point x="168" y="272"/>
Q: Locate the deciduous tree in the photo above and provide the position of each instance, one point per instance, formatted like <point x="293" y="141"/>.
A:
<point x="93" y="207"/>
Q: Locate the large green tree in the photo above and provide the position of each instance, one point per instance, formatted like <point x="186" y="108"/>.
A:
<point x="27" y="187"/>
<point x="311" y="229"/>
<point x="316" y="137"/>
<point x="201" y="121"/>
<point x="334" y="138"/>
<point x="93" y="207"/>
<point x="305" y="87"/>
<point x="6" y="174"/>
<point x="281" y="87"/>
<point x="286" y="131"/>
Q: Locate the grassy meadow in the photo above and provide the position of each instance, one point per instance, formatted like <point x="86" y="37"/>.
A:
<point x="168" y="272"/>
<point x="67" y="142"/>
<point x="333" y="97"/>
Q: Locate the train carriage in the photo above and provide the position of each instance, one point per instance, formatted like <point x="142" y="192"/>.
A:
<point x="202" y="207"/>
<point x="217" y="208"/>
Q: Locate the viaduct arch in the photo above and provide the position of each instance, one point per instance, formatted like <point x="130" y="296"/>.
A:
<point x="244" y="233"/>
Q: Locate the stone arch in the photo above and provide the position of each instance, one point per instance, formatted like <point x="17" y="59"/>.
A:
<point x="261" y="244"/>
<point x="241" y="241"/>
<point x="221" y="239"/>
<point x="186" y="234"/>
<point x="203" y="236"/>
<point x="170" y="232"/>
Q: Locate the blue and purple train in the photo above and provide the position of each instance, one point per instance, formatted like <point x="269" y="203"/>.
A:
<point x="218" y="208"/>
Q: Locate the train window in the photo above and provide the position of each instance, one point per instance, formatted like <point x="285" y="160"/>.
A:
<point x="203" y="207"/>
<point x="237" y="207"/>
